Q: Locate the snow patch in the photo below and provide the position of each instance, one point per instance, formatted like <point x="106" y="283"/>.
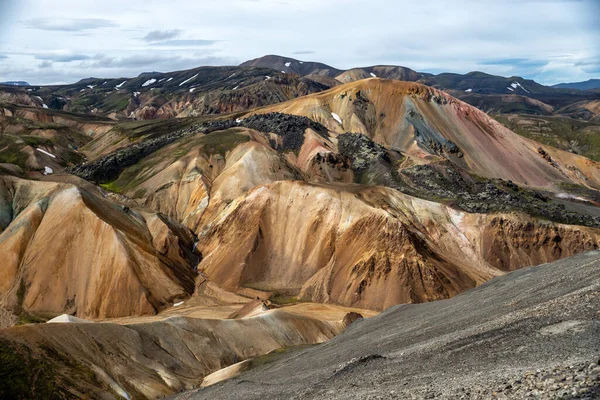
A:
<point x="511" y="89"/>
<point x="42" y="100"/>
<point x="160" y="80"/>
<point x="48" y="170"/>
<point x="192" y="89"/>
<point x="170" y="79"/>
<point x="238" y="120"/>
<point x="187" y="80"/>
<point x="267" y="78"/>
<point x="287" y="64"/>
<point x="120" y="84"/>
<point x="337" y="118"/>
<point x="66" y="318"/>
<point x="570" y="196"/>
<point x="236" y="87"/>
<point x="231" y="76"/>
<point x="148" y="82"/>
<point x="178" y="304"/>
<point x="136" y="93"/>
<point x="91" y="86"/>
<point x="469" y="90"/>
<point x="46" y="153"/>
<point x="373" y="75"/>
<point x="301" y="62"/>
<point x="517" y="84"/>
<point x="283" y="71"/>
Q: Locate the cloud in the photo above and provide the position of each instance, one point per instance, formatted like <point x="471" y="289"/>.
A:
<point x="187" y="43"/>
<point x="45" y="64"/>
<point x="69" y="24"/>
<point x="61" y="58"/>
<point x="166" y="62"/>
<point x="157" y="36"/>
<point x="520" y="38"/>
<point x="526" y="62"/>
<point x="2" y="56"/>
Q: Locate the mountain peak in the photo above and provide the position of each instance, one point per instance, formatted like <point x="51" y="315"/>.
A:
<point x="292" y="66"/>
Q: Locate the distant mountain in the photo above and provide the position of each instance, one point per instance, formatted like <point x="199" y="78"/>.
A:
<point x="198" y="91"/>
<point x="15" y="83"/>
<point x="148" y="73"/>
<point x="273" y="79"/>
<point x="492" y="93"/>
<point x="586" y="85"/>
<point x="314" y="70"/>
<point x="293" y="66"/>
<point x="482" y="83"/>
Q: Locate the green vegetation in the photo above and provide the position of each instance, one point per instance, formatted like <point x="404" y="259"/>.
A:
<point x="10" y="151"/>
<point x="23" y="376"/>
<point x="111" y="187"/>
<point x="580" y="137"/>
<point x="283" y="300"/>
<point x="220" y="142"/>
<point x="85" y="101"/>
<point x="115" y="102"/>
<point x="36" y="141"/>
<point x="214" y="143"/>
<point x="140" y="193"/>
<point x="152" y="128"/>
<point x="40" y="372"/>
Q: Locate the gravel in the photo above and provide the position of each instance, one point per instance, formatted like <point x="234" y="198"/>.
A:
<point x="533" y="333"/>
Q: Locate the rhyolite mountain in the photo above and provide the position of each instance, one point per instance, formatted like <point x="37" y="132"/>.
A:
<point x="247" y="219"/>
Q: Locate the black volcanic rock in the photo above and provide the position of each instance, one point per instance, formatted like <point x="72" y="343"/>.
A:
<point x="290" y="127"/>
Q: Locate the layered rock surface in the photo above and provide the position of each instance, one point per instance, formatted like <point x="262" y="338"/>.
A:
<point x="68" y="250"/>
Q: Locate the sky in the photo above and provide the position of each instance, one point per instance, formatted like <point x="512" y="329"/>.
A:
<point x="62" y="41"/>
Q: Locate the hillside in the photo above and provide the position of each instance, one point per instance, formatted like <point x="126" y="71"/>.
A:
<point x="586" y="85"/>
<point x="242" y="183"/>
<point x="70" y="249"/>
<point x="199" y="91"/>
<point x="423" y="122"/>
<point x="531" y="333"/>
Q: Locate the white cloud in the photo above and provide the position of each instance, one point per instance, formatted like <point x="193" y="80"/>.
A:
<point x="69" y="24"/>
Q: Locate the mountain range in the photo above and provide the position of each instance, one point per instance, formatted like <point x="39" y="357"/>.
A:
<point x="159" y="230"/>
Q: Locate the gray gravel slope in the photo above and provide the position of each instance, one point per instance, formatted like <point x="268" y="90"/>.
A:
<point x="534" y="332"/>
